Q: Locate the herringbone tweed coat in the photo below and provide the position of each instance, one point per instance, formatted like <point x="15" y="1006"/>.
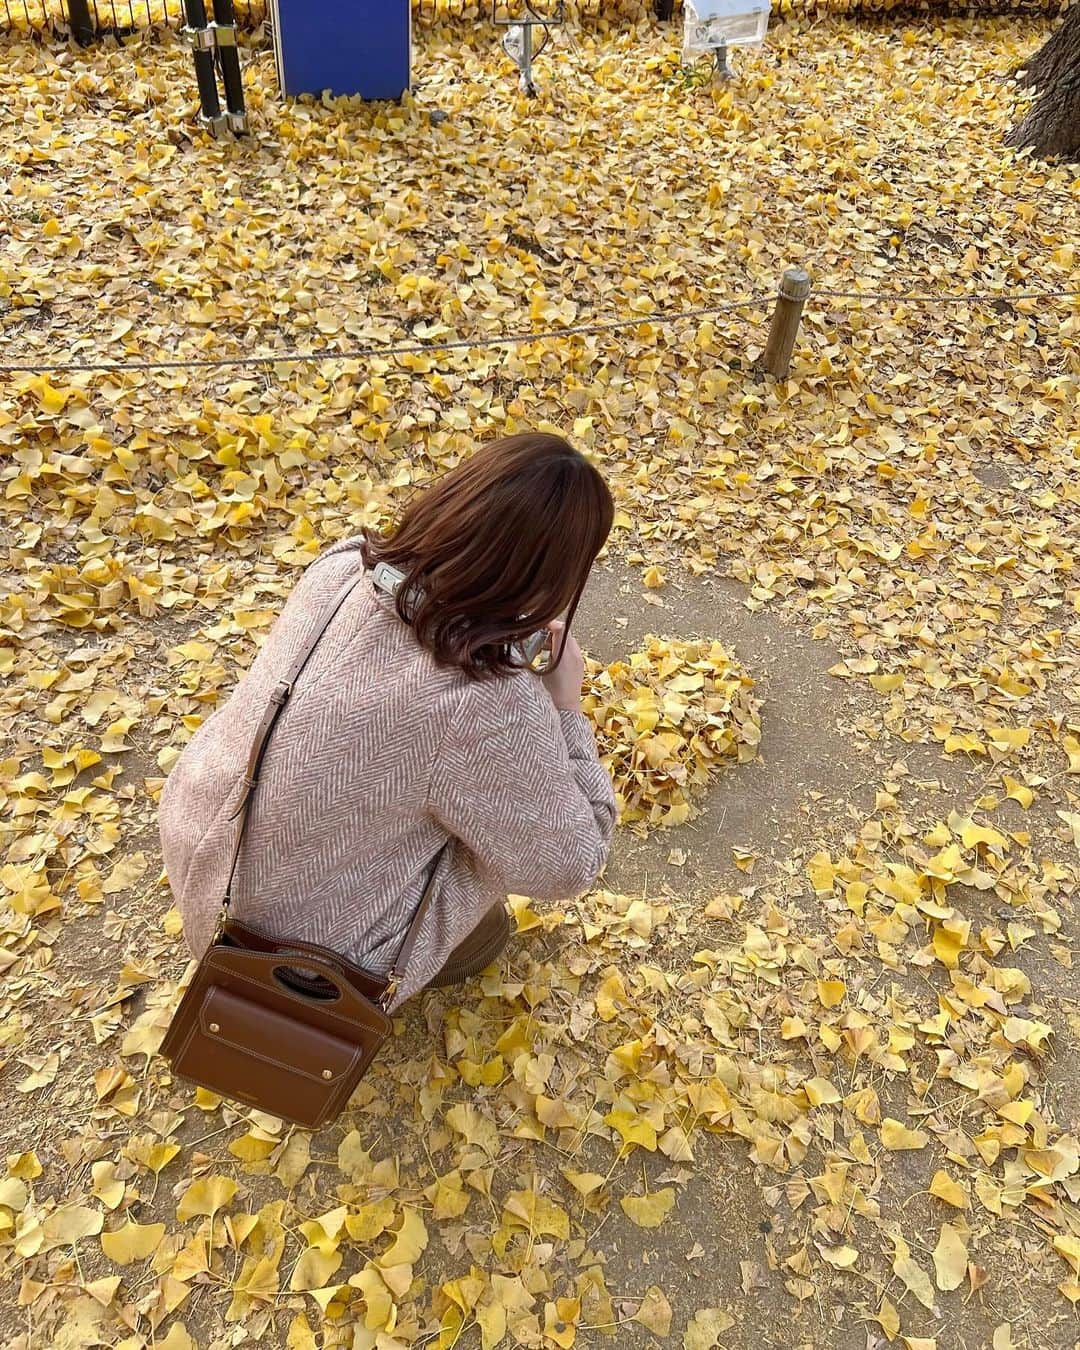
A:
<point x="379" y="758"/>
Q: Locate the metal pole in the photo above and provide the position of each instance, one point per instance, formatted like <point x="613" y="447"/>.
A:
<point x="526" y="60"/>
<point x="793" y="294"/>
<point x="229" y="60"/>
<point x="203" y="54"/>
<point x="80" y="22"/>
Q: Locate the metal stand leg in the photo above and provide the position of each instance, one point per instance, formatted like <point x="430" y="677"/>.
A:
<point x="527" y="84"/>
<point x="229" y="60"/>
<point x="82" y="27"/>
<point x="203" y="46"/>
<point x="723" y="70"/>
<point x="518" y="40"/>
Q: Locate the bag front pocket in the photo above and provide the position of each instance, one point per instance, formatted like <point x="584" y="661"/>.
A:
<point x="282" y="1065"/>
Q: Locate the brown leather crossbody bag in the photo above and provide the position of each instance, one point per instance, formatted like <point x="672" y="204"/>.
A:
<point x="286" y="1026"/>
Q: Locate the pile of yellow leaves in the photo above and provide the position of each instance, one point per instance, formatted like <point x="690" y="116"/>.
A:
<point x="667" y="720"/>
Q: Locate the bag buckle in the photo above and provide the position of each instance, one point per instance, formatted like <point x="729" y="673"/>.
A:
<point x="387" y="995"/>
<point x="282" y="690"/>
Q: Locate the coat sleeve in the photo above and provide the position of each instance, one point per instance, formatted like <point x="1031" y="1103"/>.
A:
<point x="521" y="786"/>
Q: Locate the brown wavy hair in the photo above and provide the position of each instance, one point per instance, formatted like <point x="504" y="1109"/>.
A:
<point x="497" y="548"/>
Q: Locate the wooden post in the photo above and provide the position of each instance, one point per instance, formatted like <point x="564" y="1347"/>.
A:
<point x="794" y="290"/>
<point x="79" y="22"/>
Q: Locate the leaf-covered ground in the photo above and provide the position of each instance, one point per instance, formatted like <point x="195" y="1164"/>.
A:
<point x="802" y="1072"/>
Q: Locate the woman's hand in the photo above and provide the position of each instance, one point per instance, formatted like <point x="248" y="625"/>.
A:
<point x="565" y="681"/>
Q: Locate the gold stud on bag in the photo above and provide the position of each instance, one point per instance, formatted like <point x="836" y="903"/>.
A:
<point x="288" y="1027"/>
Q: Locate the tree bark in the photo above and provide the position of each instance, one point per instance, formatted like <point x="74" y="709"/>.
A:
<point x="1051" y="126"/>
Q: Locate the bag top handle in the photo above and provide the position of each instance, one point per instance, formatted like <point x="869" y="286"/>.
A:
<point x="278" y="699"/>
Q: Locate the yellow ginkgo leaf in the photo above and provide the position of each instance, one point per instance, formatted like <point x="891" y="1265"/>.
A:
<point x="537" y="1214"/>
<point x="889" y="1319"/>
<point x="584" y="1182"/>
<point x="831" y="992"/>
<point x="950" y="1258"/>
<point x="1072" y="821"/>
<point x="252" y="1147"/>
<point x="1068" y="1246"/>
<point x="324" y="1230"/>
<point x="177" y="1338"/>
<point x="842" y="1257"/>
<point x="632" y="1129"/>
<point x="912" y="1274"/>
<point x="371" y="1219"/>
<point x="706" y="1327"/>
<point x="314" y="1269"/>
<point x="1018" y="792"/>
<point x="560" y="1322"/>
<point x="654" y="1312"/>
<point x="820" y="1092"/>
<point x="649" y="1211"/>
<point x="132" y="1242"/>
<point x="70" y="1223"/>
<point x="474" y="1127"/>
<point x="107" y="1187"/>
<point x="300" y="1335"/>
<point x="14" y="1193"/>
<point x="378" y="1301"/>
<point x="104" y="1290"/>
<point x="945" y="1188"/>
<point x="52" y="400"/>
<point x="124" y="874"/>
<point x="895" y="1135"/>
<point x="409" y="1241"/>
<point x="24" y="1166"/>
<point x="206" y="1196"/>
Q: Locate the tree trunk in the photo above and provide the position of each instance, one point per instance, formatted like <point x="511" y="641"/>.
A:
<point x="1052" y="124"/>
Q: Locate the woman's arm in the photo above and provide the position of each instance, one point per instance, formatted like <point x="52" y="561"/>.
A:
<point x="519" y="783"/>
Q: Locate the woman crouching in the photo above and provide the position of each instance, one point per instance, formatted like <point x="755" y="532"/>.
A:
<point x="420" y="748"/>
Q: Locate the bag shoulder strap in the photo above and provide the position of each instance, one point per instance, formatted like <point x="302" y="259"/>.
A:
<point x="278" y="699"/>
<point x="400" y="963"/>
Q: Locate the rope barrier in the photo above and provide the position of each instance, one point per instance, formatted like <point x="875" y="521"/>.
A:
<point x="403" y="349"/>
<point x="655" y="318"/>
<point x="1008" y="297"/>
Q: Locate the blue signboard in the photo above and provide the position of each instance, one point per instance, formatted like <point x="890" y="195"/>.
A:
<point x="346" y="47"/>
